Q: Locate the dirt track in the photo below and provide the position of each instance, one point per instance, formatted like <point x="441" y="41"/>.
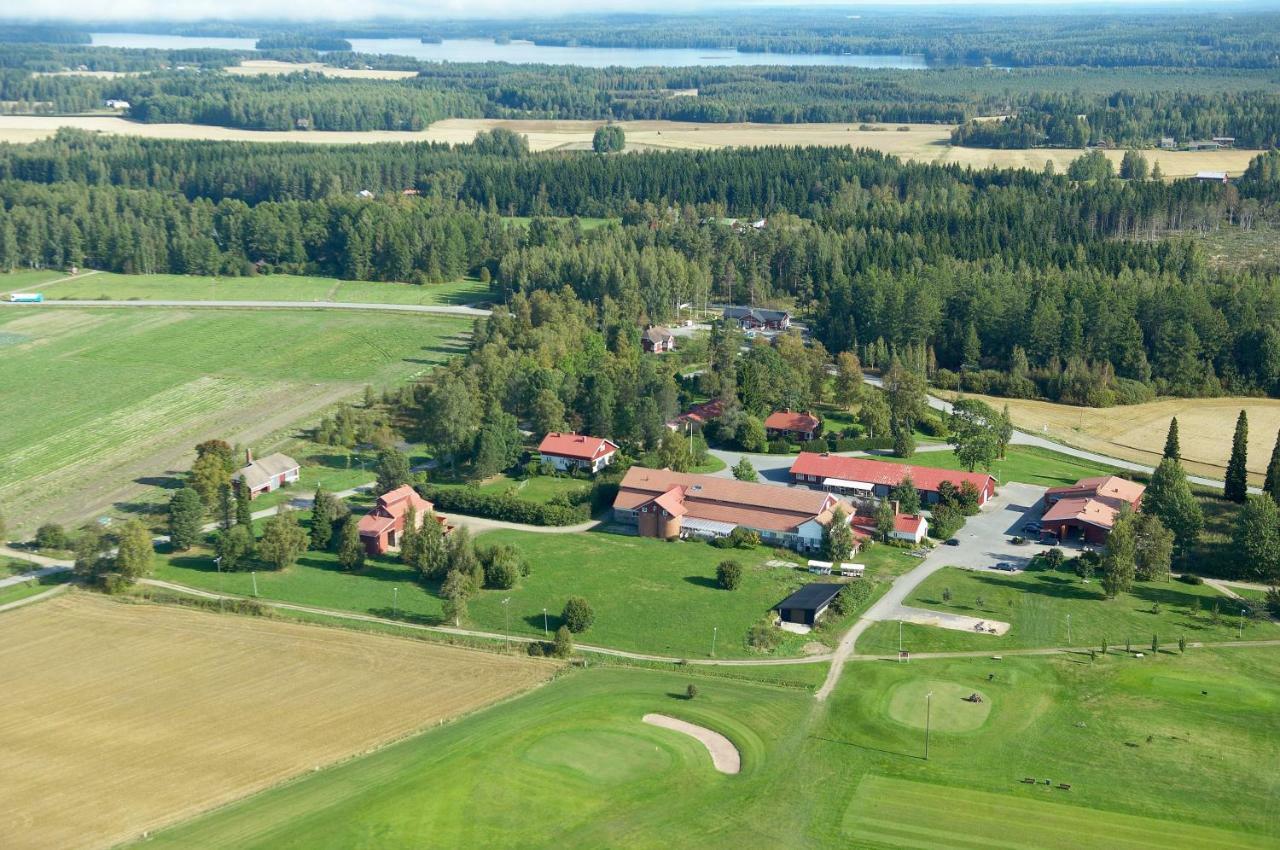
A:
<point x="120" y="718"/>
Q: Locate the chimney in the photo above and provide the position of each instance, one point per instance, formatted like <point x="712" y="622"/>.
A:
<point x="248" y="456"/>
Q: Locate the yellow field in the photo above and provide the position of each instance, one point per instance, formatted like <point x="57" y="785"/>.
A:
<point x="921" y="143"/>
<point x="252" y="67"/>
<point x="1137" y="432"/>
<point x="121" y="718"/>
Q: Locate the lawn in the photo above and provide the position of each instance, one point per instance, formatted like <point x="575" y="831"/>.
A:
<point x="27" y="280"/>
<point x="112" y="401"/>
<point x="173" y="287"/>
<point x="570" y="765"/>
<point x="539" y="488"/>
<point x="1025" y="464"/>
<point x="15" y="592"/>
<point x="1036" y="604"/>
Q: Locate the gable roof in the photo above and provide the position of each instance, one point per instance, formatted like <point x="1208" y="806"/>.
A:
<point x="761" y="506"/>
<point x="657" y="334"/>
<point x="883" y="472"/>
<point x="902" y="523"/>
<point x="1110" y="489"/>
<point x="391" y="509"/>
<point x="261" y="471"/>
<point x="1091" y="511"/>
<point x="577" y="446"/>
<point x="760" y="314"/>
<point x="672" y="501"/>
<point x="791" y="420"/>
<point x="811" y="597"/>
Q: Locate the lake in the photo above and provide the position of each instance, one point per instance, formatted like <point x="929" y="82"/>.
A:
<point x="521" y="52"/>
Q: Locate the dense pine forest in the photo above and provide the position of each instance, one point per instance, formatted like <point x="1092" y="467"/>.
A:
<point x="1015" y="282"/>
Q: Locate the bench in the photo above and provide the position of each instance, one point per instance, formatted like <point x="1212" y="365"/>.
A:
<point x="1029" y="780"/>
<point x="1064" y="786"/>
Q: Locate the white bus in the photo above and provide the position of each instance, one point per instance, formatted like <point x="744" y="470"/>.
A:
<point x="26" y="297"/>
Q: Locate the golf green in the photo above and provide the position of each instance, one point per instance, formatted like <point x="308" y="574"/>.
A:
<point x="949" y="711"/>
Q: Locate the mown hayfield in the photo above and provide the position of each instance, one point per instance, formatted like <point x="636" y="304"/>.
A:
<point x="1152" y="762"/>
<point x="120" y="718"/>
<point x="301" y="288"/>
<point x="920" y="142"/>
<point x="102" y="401"/>
<point x="1137" y="432"/>
<point x="273" y="68"/>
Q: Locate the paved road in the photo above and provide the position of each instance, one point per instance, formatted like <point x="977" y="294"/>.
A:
<point x="442" y="309"/>
<point x="1026" y="438"/>
<point x="983" y="541"/>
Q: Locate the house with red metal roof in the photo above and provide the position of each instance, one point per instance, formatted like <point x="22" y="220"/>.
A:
<point x="801" y="426"/>
<point x="1088" y="509"/>
<point x="906" y="527"/>
<point x="860" y="476"/>
<point x="668" y="505"/>
<point x="382" y="529"/>
<point x="576" y="451"/>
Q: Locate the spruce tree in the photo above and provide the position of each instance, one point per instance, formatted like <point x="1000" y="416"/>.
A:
<point x="244" y="513"/>
<point x="1169" y="497"/>
<point x="1171" y="447"/>
<point x="1236" y="485"/>
<point x="322" y="517"/>
<point x="1272" y="484"/>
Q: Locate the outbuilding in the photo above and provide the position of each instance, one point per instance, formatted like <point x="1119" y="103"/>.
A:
<point x="270" y="473"/>
<point x="806" y="606"/>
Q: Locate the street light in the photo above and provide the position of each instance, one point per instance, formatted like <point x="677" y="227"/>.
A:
<point x="1068" y="630"/>
<point x="714" y="629"/>
<point x="1240" y="633"/>
<point x="254" y="576"/>
<point x="506" y="634"/>
<point x="545" y="631"/>
<point x="928" y="712"/>
<point x="395" y="601"/>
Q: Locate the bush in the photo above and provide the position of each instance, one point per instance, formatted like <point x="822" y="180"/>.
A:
<point x="470" y="501"/>
<point x="51" y="536"/>
<point x="850" y="597"/>
<point x="563" y="646"/>
<point x="945" y="521"/>
<point x="739" y="538"/>
<point x="729" y="574"/>
<point x="501" y="575"/>
<point x="764" y="636"/>
<point x="779" y="447"/>
<point x="578" y="614"/>
<point x="1190" y="578"/>
<point x="1273" y="601"/>
<point x="691" y="692"/>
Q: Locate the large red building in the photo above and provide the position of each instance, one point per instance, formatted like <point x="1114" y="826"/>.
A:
<point x="1088" y="509"/>
<point x="875" y="478"/>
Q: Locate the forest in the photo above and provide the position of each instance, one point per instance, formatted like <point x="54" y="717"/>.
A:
<point x="1014" y="282"/>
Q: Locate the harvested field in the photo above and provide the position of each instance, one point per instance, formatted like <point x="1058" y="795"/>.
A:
<point x="921" y="143"/>
<point x="1137" y="432"/>
<point x="122" y="718"/>
<point x="253" y="67"/>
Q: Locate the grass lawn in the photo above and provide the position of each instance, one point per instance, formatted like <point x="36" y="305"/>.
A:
<point x="15" y="592"/>
<point x="112" y="401"/>
<point x="1250" y="593"/>
<point x="27" y="280"/>
<point x="1036" y="604"/>
<point x="570" y="765"/>
<point x="173" y="287"/>
<point x="539" y="488"/>
<point x="1026" y="464"/>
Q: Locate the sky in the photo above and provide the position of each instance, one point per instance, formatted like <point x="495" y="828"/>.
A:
<point x="168" y="10"/>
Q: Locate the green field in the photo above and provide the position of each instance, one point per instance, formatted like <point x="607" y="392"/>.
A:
<point x="16" y="592"/>
<point x="649" y="596"/>
<point x="28" y="280"/>
<point x="1036" y="604"/>
<point x="1152" y="762"/>
<point x="1026" y="464"/>
<point x="173" y="287"/>
<point x="111" y="401"/>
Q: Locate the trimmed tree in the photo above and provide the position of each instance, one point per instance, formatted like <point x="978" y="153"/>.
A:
<point x="283" y="539"/>
<point x="186" y="516"/>
<point x="729" y="574"/>
<point x="1236" y="485"/>
<point x="350" y="549"/>
<point x="578" y="614"/>
<point x="1171" y="447"/>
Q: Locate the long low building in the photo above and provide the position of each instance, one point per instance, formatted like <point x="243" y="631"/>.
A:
<point x="667" y="505"/>
<point x="1088" y="509"/>
<point x="860" y="476"/>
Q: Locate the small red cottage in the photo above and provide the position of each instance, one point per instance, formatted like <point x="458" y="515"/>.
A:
<point x="382" y="528"/>
<point x="791" y="425"/>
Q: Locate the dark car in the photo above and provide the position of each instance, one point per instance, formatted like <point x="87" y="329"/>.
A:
<point x="1032" y="528"/>
<point x="1005" y="566"/>
<point x="951" y="542"/>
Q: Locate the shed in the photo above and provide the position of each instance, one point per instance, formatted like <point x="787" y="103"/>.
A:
<point x="807" y="605"/>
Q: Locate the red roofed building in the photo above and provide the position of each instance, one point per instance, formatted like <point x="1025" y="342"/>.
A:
<point x="576" y="451"/>
<point x="667" y="505"/>
<point x="383" y="527"/>
<point x="911" y="529"/>
<point x="875" y="478"/>
<point x="788" y="424"/>
<point x="1088" y="509"/>
<point x="698" y="415"/>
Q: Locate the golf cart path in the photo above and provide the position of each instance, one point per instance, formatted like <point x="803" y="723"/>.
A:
<point x="724" y="755"/>
<point x="442" y="309"/>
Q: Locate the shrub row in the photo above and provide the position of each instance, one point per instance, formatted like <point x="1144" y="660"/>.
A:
<point x="470" y="501"/>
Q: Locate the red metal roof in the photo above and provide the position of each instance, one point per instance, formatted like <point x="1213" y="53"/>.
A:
<point x="577" y="446"/>
<point x="882" y="472"/>
<point x="791" y="420"/>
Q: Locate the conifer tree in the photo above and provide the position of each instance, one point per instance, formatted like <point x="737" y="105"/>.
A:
<point x="1272" y="484"/>
<point x="323" y="513"/>
<point x="1171" y="447"/>
<point x="1236" y="485"/>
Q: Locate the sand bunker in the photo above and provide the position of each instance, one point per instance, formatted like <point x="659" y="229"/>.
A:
<point x="724" y="755"/>
<point x="959" y="622"/>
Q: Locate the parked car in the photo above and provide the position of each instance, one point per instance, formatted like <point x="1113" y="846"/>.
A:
<point x="953" y="541"/>
<point x="1005" y="566"/>
<point x="1018" y="541"/>
<point x="1032" y="528"/>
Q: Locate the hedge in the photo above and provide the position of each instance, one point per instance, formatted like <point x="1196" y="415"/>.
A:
<point x="472" y="502"/>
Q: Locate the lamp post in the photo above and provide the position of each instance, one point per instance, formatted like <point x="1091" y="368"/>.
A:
<point x="395" y="601"/>
<point x="714" y="630"/>
<point x="928" y="712"/>
<point x="899" y="638"/>
<point x="506" y="616"/>
<point x="217" y="562"/>
<point x="1068" y="630"/>
<point x="1240" y="633"/>
<point x="545" y="631"/>
<point x="254" y="576"/>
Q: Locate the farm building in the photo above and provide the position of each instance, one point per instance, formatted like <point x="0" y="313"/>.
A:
<point x="1211" y="176"/>
<point x="806" y="606"/>
<point x="382" y="528"/>
<point x="576" y="451"/>
<point x="656" y="340"/>
<point x="756" y="318"/>
<point x="906" y="527"/>
<point x="270" y="473"/>
<point x="1167" y="143"/>
<point x="668" y="505"/>
<point x="792" y="425"/>
<point x="1088" y="509"/>
<point x="875" y="478"/>
<point x="1225" y="141"/>
<point x="1204" y="145"/>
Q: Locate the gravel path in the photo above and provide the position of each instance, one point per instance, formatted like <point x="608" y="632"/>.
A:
<point x="724" y="755"/>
